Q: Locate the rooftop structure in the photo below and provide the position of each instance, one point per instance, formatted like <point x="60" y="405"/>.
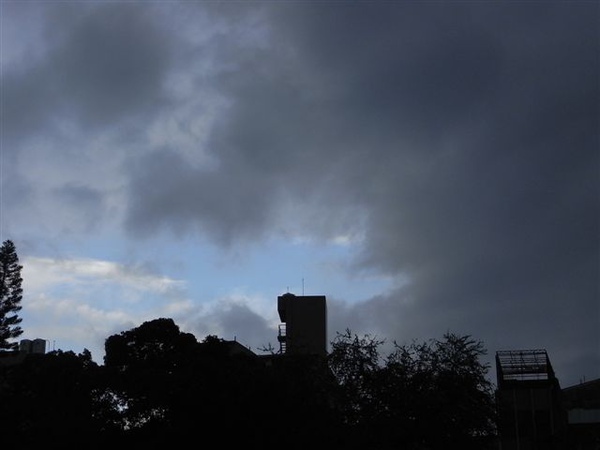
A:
<point x="304" y="327"/>
<point x="530" y="412"/>
<point x="523" y="365"/>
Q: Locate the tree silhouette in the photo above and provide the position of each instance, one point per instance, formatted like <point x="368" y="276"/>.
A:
<point x="432" y="395"/>
<point x="160" y="386"/>
<point x="144" y="369"/>
<point x="11" y="294"/>
<point x="46" y="398"/>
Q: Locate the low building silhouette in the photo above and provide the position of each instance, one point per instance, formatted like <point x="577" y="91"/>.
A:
<point x="37" y="346"/>
<point x="582" y="405"/>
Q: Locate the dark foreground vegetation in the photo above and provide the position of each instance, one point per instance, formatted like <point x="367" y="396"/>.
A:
<point x="160" y="387"/>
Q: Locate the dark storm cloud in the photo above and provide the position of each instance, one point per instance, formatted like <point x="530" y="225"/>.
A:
<point x="167" y="190"/>
<point x="491" y="205"/>
<point x="397" y="67"/>
<point x="25" y="104"/>
<point x="99" y="66"/>
<point x="89" y="204"/>
<point x="74" y="71"/>
<point x="270" y="147"/>
<point x="112" y="63"/>
<point x="466" y="134"/>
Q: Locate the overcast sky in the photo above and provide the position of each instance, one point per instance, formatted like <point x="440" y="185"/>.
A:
<point x="429" y="167"/>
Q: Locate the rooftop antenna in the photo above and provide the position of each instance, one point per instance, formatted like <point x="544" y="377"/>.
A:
<point x="303" y="286"/>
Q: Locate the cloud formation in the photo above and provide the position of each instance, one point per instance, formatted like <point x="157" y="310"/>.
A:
<point x="453" y="147"/>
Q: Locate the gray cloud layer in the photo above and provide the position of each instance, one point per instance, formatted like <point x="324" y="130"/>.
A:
<point x="459" y="140"/>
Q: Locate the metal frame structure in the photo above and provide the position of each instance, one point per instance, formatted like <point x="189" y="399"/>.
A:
<point x="530" y="413"/>
<point x="523" y="365"/>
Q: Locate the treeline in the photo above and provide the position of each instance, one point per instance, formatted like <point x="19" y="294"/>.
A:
<point x="161" y="387"/>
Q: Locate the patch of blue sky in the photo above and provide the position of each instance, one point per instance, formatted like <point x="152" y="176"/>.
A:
<point x="101" y="286"/>
<point x="279" y="266"/>
<point x="207" y="271"/>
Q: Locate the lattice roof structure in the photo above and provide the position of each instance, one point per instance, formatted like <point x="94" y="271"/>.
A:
<point x="523" y="365"/>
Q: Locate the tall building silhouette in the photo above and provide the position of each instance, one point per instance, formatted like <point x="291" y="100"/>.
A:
<point x="304" y="327"/>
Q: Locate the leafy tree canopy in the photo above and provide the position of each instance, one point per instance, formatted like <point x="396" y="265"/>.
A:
<point x="422" y="395"/>
<point x="155" y="342"/>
